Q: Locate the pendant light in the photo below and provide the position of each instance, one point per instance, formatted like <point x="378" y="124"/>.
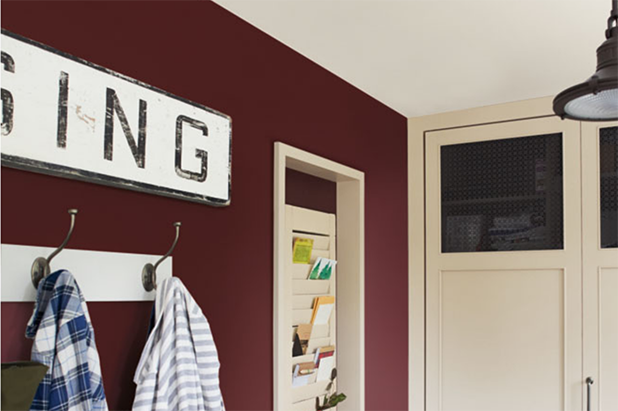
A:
<point x="596" y="99"/>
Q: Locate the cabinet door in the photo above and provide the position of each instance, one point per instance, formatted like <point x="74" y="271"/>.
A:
<point x="600" y="261"/>
<point x="503" y="232"/>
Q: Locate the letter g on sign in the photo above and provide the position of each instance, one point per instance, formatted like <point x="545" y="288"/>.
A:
<point x="201" y="176"/>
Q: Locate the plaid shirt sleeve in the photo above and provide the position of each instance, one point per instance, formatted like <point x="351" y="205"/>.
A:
<point x="64" y="340"/>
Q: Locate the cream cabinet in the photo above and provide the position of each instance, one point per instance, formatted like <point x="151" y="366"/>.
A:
<point x="600" y="262"/>
<point x="521" y="300"/>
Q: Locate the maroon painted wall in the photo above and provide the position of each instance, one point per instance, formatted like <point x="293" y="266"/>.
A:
<point x="201" y="52"/>
<point x="304" y="190"/>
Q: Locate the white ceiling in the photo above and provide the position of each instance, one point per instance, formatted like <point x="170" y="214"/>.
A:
<point x="429" y="56"/>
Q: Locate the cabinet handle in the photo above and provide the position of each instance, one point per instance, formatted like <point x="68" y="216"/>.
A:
<point x="589" y="382"/>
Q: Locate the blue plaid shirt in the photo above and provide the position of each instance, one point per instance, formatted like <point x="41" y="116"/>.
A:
<point x="64" y="341"/>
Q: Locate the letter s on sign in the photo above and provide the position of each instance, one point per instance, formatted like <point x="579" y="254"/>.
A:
<point x="201" y="176"/>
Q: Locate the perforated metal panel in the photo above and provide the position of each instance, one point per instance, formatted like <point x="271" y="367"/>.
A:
<point x="608" y="149"/>
<point x="502" y="195"/>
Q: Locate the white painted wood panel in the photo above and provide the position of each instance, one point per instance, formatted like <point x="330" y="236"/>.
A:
<point x="301" y="316"/>
<point x="101" y="275"/>
<point x="503" y="329"/>
<point x="306" y="405"/>
<point x="319" y="253"/>
<point x="303" y="287"/>
<point x="600" y="283"/>
<point x="321" y="331"/>
<point x="501" y="335"/>
<point x="310" y="221"/>
<point x="300" y="271"/>
<point x="300" y="302"/>
<point x="608" y="339"/>
<point x="309" y="391"/>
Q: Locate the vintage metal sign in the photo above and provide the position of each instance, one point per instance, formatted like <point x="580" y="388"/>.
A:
<point x="67" y="117"/>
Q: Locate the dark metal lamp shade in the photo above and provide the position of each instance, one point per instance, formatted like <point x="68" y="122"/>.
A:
<point x="596" y="99"/>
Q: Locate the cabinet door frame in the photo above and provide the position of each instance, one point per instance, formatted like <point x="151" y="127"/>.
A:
<point x="567" y="260"/>
<point x="417" y="128"/>
<point x="594" y="258"/>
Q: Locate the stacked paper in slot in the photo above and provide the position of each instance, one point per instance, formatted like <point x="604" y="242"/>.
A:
<point x="322" y="308"/>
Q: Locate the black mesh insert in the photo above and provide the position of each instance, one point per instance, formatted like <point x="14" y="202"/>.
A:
<point x="608" y="145"/>
<point x="502" y="195"/>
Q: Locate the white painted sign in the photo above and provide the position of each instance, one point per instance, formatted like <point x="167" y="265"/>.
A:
<point x="67" y="117"/>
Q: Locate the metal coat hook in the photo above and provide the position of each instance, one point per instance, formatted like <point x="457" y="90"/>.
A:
<point x="149" y="272"/>
<point x="40" y="267"/>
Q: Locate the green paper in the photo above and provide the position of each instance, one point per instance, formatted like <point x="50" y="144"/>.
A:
<point x="315" y="272"/>
<point x="326" y="271"/>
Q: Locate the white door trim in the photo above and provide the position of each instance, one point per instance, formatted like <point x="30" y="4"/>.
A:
<point x="350" y="272"/>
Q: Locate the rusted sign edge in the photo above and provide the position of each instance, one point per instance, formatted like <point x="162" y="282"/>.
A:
<point x="21" y="163"/>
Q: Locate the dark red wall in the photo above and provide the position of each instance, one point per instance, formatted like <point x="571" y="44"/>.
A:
<point x="201" y="52"/>
<point x="304" y="190"/>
